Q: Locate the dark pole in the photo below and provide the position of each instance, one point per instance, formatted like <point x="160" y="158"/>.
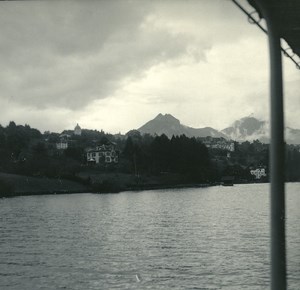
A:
<point x="277" y="152"/>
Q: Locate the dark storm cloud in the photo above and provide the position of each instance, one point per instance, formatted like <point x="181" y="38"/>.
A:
<point x="67" y="54"/>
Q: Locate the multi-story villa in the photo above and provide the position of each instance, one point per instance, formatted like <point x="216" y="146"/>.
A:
<point x="63" y="142"/>
<point x="103" y="154"/>
<point x="62" y="145"/>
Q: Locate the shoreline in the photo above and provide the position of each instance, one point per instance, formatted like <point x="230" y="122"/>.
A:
<point x="36" y="193"/>
<point x="136" y="188"/>
<point x="14" y="185"/>
<point x="168" y="186"/>
<point x="90" y="191"/>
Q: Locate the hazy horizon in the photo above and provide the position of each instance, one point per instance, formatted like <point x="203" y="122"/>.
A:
<point x="99" y="129"/>
<point x="115" y="65"/>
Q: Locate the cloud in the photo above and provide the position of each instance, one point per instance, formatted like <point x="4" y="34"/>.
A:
<point x="114" y="65"/>
<point x="67" y="54"/>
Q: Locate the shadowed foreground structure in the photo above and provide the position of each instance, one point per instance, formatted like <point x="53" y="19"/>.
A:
<point x="283" y="22"/>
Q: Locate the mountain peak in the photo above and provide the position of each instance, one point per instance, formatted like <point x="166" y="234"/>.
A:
<point x="166" y="118"/>
<point x="170" y="126"/>
<point x="249" y="123"/>
<point x="246" y="128"/>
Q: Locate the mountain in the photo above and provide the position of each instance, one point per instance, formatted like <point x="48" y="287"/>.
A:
<point x="169" y="125"/>
<point x="245" y="129"/>
<point x="248" y="128"/>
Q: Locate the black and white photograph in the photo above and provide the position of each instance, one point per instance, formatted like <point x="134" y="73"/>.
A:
<point x="150" y="144"/>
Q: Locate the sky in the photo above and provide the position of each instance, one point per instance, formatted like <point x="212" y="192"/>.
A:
<point x="114" y="65"/>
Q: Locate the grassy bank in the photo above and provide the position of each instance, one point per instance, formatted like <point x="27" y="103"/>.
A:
<point x="13" y="185"/>
<point x="117" y="182"/>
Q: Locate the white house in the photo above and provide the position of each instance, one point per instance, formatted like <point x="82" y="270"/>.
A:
<point x="258" y="172"/>
<point x="219" y="143"/>
<point x="103" y="154"/>
<point x="63" y="142"/>
<point x="62" y="145"/>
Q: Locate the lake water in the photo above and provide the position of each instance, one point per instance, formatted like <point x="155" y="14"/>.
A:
<point x="204" y="238"/>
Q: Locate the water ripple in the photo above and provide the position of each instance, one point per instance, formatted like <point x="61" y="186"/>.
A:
<point x="208" y="238"/>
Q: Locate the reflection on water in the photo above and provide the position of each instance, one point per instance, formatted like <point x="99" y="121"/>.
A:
<point x="208" y="238"/>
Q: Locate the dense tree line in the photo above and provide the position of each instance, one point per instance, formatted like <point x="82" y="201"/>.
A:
<point x="24" y="150"/>
<point x="160" y="155"/>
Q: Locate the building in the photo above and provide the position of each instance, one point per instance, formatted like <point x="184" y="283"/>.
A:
<point x="63" y="142"/>
<point x="103" y="154"/>
<point x="258" y="172"/>
<point x="77" y="130"/>
<point x="62" y="145"/>
<point x="219" y="143"/>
